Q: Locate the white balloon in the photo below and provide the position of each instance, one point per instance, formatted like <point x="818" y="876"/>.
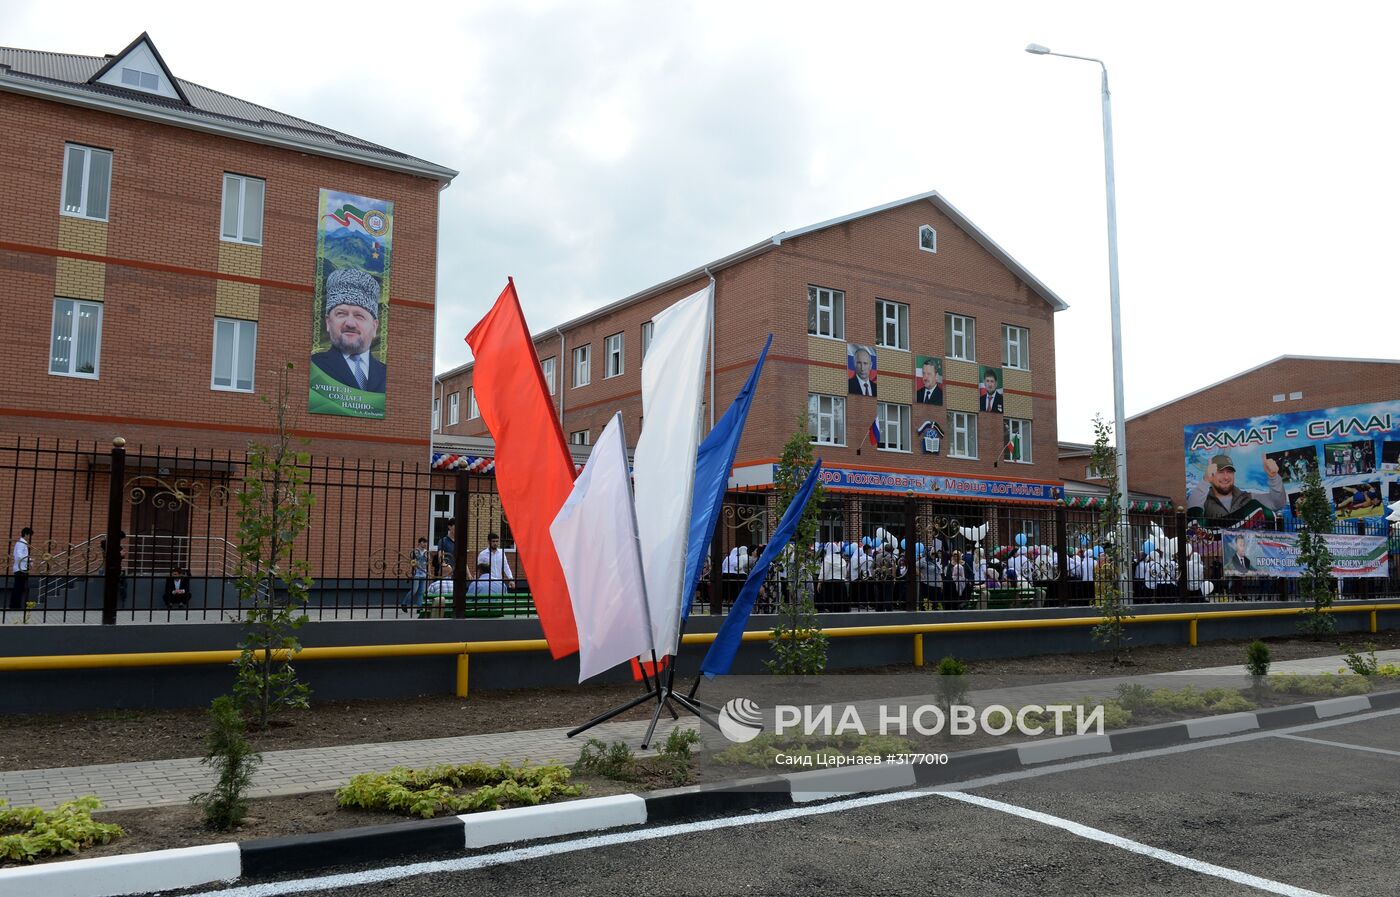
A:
<point x="1206" y="588"/>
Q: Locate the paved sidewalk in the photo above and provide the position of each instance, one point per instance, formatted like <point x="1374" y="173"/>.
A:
<point x="122" y="786"/>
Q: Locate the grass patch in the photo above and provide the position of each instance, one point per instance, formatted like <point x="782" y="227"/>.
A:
<point x="1322" y="685"/>
<point x="673" y="764"/>
<point x="29" y="833"/>
<point x="470" y="788"/>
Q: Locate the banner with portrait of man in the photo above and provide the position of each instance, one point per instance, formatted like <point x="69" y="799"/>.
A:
<point x="928" y="379"/>
<point x="350" y="327"/>
<point x="990" y="397"/>
<point x="862" y="370"/>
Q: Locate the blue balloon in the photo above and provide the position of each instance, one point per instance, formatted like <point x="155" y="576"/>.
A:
<point x="903" y="544"/>
<point x="848" y="549"/>
<point x="1098" y="551"/>
<point x="1021" y="539"/>
<point x="1083" y="541"/>
<point x="1148" y="546"/>
<point x="918" y="549"/>
<point x="867" y="541"/>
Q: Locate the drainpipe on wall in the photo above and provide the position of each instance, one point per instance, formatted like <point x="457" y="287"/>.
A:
<point x="714" y="300"/>
<point x="559" y="376"/>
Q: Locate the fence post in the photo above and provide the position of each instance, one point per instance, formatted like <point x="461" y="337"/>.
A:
<point x="1062" y="550"/>
<point x="112" y="554"/>
<point x="461" y="503"/>
<point x="716" y="584"/>
<point x="1182" y="578"/>
<point x="911" y="571"/>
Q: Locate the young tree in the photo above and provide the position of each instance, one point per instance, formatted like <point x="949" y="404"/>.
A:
<point x="1317" y="584"/>
<point x="798" y="645"/>
<point x="1108" y="591"/>
<point x="274" y="508"/>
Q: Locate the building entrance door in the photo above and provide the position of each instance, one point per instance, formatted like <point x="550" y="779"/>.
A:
<point x="160" y="534"/>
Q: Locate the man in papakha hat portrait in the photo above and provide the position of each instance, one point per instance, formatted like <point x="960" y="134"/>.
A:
<point x="352" y="321"/>
<point x="1217" y="501"/>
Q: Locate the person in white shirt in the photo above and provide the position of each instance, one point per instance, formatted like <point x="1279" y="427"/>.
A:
<point x="494" y="557"/>
<point x="19" y="570"/>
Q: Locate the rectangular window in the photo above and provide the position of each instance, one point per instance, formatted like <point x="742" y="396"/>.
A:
<point x="892" y="324"/>
<point x="894" y="426"/>
<point x="1094" y="473"/>
<point x="473" y="412"/>
<point x="612" y="356"/>
<point x="1015" y="347"/>
<point x="1018" y="440"/>
<point x="578" y="437"/>
<point x="962" y="442"/>
<point x="647" y="330"/>
<point x="583" y="369"/>
<point x="826" y="419"/>
<point x="437" y="413"/>
<point x="547" y="368"/>
<point x="961" y="337"/>
<point x="243" y="209"/>
<point x="235" y="348"/>
<point x="77" y="338"/>
<point x="87" y="181"/>
<point x="454" y="408"/>
<point x="826" y="312"/>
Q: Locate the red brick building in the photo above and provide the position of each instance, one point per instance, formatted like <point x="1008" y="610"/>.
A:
<point x="910" y="280"/>
<point x="1289" y="383"/>
<point x="123" y="181"/>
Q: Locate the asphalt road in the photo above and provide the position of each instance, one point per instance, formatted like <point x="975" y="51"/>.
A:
<point x="1315" y="811"/>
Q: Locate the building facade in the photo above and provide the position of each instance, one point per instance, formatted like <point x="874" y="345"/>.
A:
<point x="1285" y="385"/>
<point x="902" y="289"/>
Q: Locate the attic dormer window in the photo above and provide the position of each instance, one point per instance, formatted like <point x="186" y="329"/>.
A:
<point x="928" y="239"/>
<point x="140" y="80"/>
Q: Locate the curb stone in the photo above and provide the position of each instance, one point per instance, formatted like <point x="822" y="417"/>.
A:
<point x="186" y="867"/>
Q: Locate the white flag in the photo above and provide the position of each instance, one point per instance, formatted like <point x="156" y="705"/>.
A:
<point x="673" y="380"/>
<point x="595" y="535"/>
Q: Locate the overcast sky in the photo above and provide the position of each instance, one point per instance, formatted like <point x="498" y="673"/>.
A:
<point x="607" y="146"/>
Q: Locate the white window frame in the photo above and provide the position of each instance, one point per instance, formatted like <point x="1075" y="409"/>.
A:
<point x="833" y="304"/>
<point x="960" y="329"/>
<point x="648" y="331"/>
<point x="547" y="369"/>
<point x="583" y="365"/>
<point x="928" y="228"/>
<point x="894" y="422"/>
<point x="81" y="210"/>
<point x="1020" y="339"/>
<point x="888" y="314"/>
<point x="579" y="437"/>
<point x="72" y="337"/>
<point x="831" y="410"/>
<point x="1013" y="427"/>
<point x="241" y="330"/>
<point x="454" y="408"/>
<point x="962" y="435"/>
<point x="437" y="413"/>
<point x="473" y="412"/>
<point x="613" y="361"/>
<point x="243" y="234"/>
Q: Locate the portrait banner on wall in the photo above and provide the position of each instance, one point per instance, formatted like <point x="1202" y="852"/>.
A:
<point x="1262" y="553"/>
<point x="861" y="370"/>
<point x="350" y="308"/>
<point x="928" y="379"/>
<point x="989" y="389"/>
<point x="1254" y="469"/>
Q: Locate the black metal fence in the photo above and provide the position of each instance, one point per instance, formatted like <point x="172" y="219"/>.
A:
<point x="151" y="533"/>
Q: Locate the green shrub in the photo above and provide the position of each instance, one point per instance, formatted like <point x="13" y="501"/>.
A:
<point x="951" y="685"/>
<point x="228" y="752"/>
<point x="613" y="761"/>
<point x="29" y="833"/>
<point x="1362" y="664"/>
<point x="673" y="763"/>
<point x="1257" y="660"/>
<point x="1134" y="698"/>
<point x="951" y="666"/>
<point x="1388" y="671"/>
<point x="1235" y="703"/>
<point x="1323" y="685"/>
<point x="426" y="792"/>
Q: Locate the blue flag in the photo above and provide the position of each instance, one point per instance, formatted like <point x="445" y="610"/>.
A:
<point x="720" y="657"/>
<point x="712" y="464"/>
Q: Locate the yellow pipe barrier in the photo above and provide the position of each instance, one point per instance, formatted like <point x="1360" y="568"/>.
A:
<point x="463" y="650"/>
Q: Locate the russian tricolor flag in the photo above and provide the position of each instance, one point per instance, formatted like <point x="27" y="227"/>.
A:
<point x="875" y="432"/>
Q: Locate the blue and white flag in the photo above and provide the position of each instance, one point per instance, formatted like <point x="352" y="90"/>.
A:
<point x="720" y="657"/>
<point x="712" y="466"/>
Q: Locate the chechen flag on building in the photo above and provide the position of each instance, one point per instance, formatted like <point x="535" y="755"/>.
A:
<point x="534" y="471"/>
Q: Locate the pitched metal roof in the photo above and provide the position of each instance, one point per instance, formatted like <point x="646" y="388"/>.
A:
<point x="68" y="78"/>
<point x="778" y="239"/>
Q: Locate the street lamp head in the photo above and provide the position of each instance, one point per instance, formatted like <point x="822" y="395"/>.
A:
<point x="1037" y="49"/>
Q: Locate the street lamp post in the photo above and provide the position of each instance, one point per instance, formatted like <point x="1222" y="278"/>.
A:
<point x="1120" y="428"/>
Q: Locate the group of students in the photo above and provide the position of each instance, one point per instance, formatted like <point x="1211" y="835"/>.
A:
<point x="432" y="570"/>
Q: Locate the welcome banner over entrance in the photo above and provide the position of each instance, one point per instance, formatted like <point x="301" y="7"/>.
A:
<point x="1262" y="553"/>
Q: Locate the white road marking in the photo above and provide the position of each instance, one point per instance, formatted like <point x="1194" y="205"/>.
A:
<point x="1343" y="744"/>
<point x="1156" y="853"/>
<point x="485" y="861"/>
